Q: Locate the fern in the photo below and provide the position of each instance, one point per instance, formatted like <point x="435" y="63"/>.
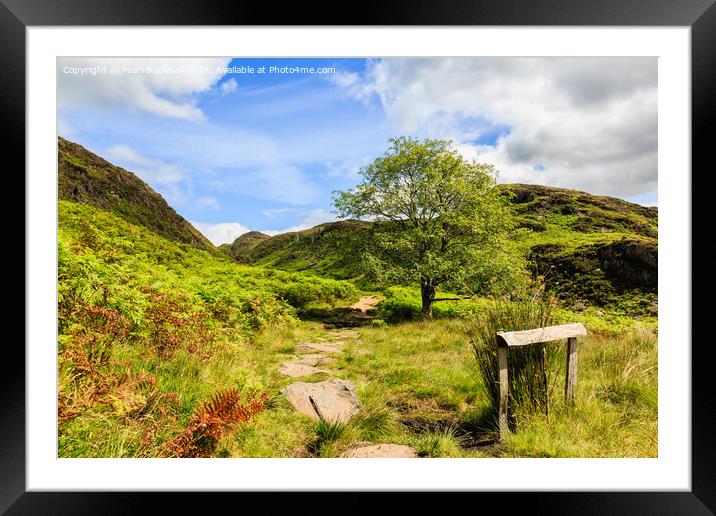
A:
<point x="211" y="421"/>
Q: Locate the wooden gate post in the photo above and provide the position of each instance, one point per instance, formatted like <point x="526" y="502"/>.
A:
<point x="504" y="390"/>
<point x="570" y="383"/>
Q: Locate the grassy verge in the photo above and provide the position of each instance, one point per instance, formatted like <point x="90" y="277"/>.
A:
<point x="419" y="385"/>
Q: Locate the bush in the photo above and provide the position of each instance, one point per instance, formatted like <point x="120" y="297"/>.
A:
<point x="311" y="289"/>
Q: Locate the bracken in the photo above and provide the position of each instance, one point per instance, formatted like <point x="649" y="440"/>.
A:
<point x="212" y="420"/>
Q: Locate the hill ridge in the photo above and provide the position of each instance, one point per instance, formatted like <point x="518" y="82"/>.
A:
<point x="87" y="178"/>
<point x="590" y="248"/>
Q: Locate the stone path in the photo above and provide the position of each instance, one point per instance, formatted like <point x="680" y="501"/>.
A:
<point x="325" y="347"/>
<point x="332" y="400"/>
<point x="305" y="365"/>
<point x="398" y="451"/>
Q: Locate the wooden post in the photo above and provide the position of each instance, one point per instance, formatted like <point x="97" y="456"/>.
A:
<point x="545" y="381"/>
<point x="570" y="384"/>
<point x="504" y="390"/>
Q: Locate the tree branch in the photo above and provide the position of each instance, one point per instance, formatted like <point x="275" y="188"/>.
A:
<point x="451" y="299"/>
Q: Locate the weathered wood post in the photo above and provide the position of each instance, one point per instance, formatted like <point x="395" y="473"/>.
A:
<point x="570" y="383"/>
<point x="509" y="339"/>
<point x="504" y="389"/>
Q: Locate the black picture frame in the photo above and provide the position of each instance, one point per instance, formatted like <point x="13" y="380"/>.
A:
<point x="700" y="15"/>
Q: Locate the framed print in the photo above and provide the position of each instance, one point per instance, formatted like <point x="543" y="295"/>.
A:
<point x="263" y="257"/>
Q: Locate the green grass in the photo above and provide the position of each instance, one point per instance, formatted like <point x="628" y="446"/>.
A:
<point x="531" y="368"/>
<point x="149" y="329"/>
<point x="419" y="385"/>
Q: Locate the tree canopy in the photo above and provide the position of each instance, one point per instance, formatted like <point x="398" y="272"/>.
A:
<point x="438" y="219"/>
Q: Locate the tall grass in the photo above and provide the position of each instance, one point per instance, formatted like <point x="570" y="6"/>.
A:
<point x="531" y="368"/>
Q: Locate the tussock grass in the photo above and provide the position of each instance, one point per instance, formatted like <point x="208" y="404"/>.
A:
<point x="531" y="368"/>
<point x="439" y="443"/>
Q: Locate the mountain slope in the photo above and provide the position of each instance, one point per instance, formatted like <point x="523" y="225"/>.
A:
<point x="590" y="249"/>
<point x="86" y="178"/>
<point x="247" y="242"/>
<point x="321" y="249"/>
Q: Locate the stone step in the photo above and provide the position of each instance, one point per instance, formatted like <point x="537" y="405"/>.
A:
<point x="333" y="400"/>
<point x="314" y="359"/>
<point x="325" y="347"/>
<point x="296" y="370"/>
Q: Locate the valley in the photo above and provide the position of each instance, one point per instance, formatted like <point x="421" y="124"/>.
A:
<point x="169" y="346"/>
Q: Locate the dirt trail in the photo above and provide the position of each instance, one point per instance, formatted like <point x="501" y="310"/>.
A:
<point x="366" y="303"/>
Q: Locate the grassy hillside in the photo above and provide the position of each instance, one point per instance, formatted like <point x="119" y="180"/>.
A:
<point x="591" y="249"/>
<point x="323" y="249"/>
<point x="149" y="329"/>
<point x="246" y="243"/>
<point x="86" y="178"/>
<point x="169" y="349"/>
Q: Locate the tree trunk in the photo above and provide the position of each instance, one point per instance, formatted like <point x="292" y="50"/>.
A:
<point x="427" y="293"/>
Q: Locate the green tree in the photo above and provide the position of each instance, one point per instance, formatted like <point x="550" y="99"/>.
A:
<point x="439" y="220"/>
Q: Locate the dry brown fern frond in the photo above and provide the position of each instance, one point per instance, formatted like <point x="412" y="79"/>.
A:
<point x="211" y="420"/>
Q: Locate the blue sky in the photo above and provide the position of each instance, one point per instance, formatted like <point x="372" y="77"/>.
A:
<point x="233" y="149"/>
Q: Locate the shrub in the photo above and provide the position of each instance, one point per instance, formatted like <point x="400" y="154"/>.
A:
<point x="439" y="443"/>
<point x="311" y="289"/>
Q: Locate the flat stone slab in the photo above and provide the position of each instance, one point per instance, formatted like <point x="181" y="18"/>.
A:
<point x="334" y="399"/>
<point x="313" y="360"/>
<point x="377" y="451"/>
<point x="325" y="347"/>
<point x="296" y="370"/>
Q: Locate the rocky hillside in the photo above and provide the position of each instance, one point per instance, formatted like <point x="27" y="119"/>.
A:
<point x="86" y="178"/>
<point x="590" y="249"/>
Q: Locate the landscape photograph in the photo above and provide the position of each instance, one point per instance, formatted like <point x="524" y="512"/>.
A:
<point x="352" y="258"/>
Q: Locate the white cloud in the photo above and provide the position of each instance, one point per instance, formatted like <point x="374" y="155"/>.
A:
<point x="590" y="122"/>
<point x="221" y="233"/>
<point x="165" y="87"/>
<point x="345" y="79"/>
<point x="243" y="161"/>
<point x="229" y="86"/>
<point x="227" y="232"/>
<point x="207" y="202"/>
<point x="347" y="167"/>
<point x="170" y="180"/>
